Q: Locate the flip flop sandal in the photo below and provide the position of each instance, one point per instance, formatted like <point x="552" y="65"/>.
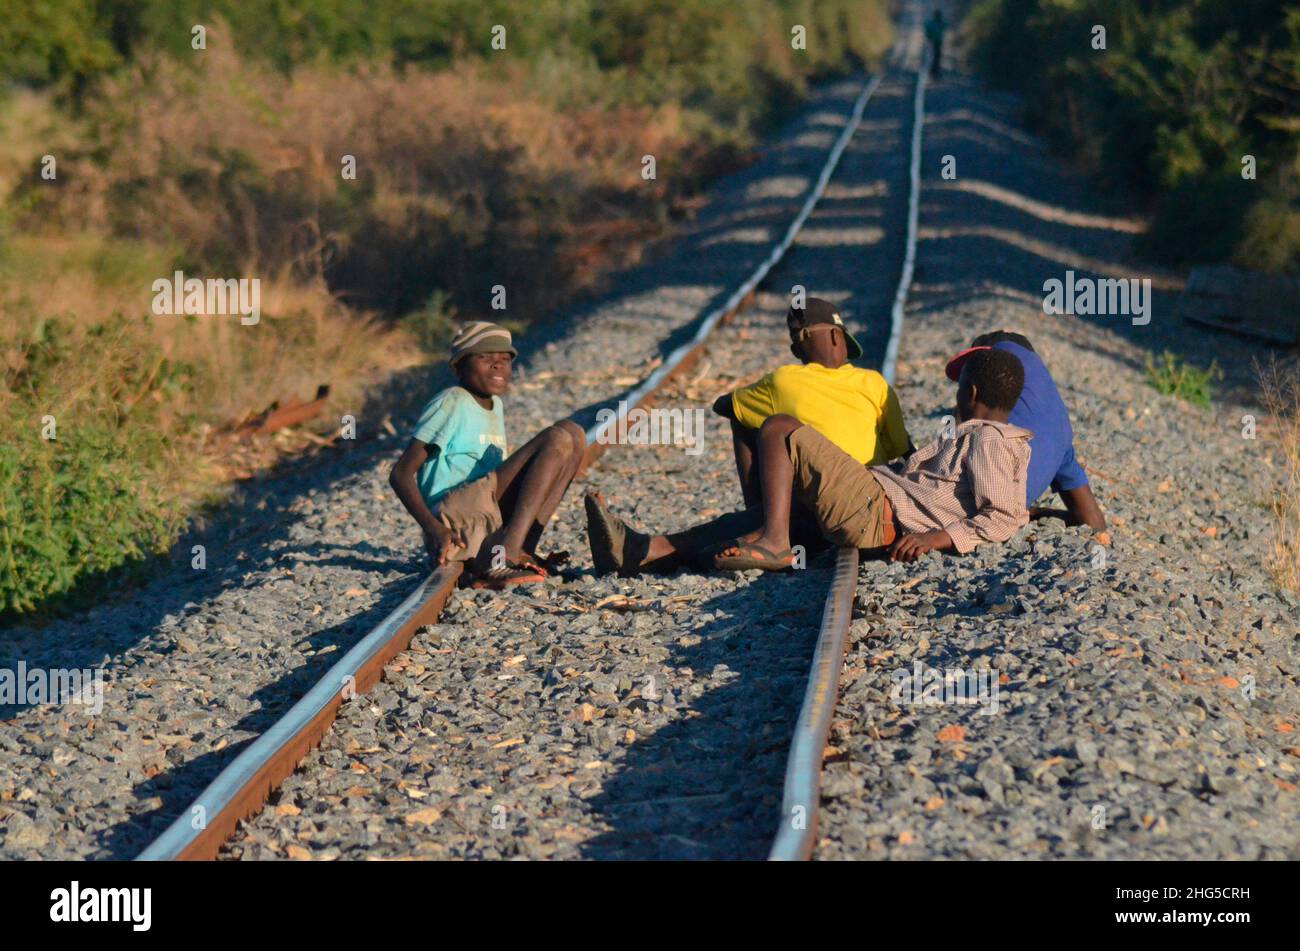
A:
<point x="551" y="561"/>
<point x="753" y="556"/>
<point x="614" y="547"/>
<point x="509" y="574"/>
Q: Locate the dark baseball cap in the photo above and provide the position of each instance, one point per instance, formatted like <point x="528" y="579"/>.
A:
<point x="818" y="311"/>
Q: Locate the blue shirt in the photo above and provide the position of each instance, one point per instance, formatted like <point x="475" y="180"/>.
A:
<point x="471" y="441"/>
<point x="1042" y="411"/>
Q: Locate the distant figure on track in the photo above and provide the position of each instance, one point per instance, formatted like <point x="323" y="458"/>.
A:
<point x="474" y="503"/>
<point x="854" y="408"/>
<point x="935" y="28"/>
<point x="1041" y="410"/>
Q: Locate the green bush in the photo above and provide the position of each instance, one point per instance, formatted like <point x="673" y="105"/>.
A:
<point x="1173" y="376"/>
<point x="1165" y="113"/>
<point x="76" y="509"/>
<point x="433" y="325"/>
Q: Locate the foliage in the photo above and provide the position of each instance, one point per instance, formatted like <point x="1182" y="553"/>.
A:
<point x="1173" y="376"/>
<point x="1165" y="113"/>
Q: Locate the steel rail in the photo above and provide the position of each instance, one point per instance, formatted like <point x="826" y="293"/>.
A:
<point x="242" y="788"/>
<point x="796" y="834"/>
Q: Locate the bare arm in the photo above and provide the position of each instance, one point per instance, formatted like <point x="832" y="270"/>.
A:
<point x="722" y="406"/>
<point x="912" y="547"/>
<point x="892" y="430"/>
<point x="403" y="480"/>
<point x="1083" y="508"/>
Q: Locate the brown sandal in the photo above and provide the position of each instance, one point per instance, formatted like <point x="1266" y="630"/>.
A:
<point x="510" y="574"/>
<point x="752" y="556"/>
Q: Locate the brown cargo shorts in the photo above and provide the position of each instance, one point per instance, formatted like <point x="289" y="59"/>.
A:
<point x="471" y="512"/>
<point x="851" y="508"/>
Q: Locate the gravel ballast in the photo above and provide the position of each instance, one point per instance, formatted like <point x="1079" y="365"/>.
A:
<point x="542" y="724"/>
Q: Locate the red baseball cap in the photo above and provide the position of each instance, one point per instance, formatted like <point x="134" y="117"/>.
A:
<point x="956" y="363"/>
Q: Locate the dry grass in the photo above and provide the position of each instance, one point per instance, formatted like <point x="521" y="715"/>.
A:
<point x="1280" y="383"/>
<point x="306" y="336"/>
<point x="463" y="179"/>
<point x="28" y="130"/>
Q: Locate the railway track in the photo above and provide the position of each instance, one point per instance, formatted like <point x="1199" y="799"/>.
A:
<point x="242" y="788"/>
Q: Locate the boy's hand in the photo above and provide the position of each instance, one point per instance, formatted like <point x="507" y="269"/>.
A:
<point x="440" y="543"/>
<point x="912" y="547"/>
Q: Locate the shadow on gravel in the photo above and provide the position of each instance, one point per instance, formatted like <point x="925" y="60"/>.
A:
<point x="1016" y="210"/>
<point x="708" y="785"/>
<point x="178" y="787"/>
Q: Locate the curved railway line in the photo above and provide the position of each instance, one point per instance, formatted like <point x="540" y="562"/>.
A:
<point x="243" y="787"/>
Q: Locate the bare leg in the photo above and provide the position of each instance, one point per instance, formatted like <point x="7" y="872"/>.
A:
<point x="665" y="551"/>
<point x="578" y="441"/>
<point x="776" y="473"/>
<point x="530" y="484"/>
<point x="743" y="441"/>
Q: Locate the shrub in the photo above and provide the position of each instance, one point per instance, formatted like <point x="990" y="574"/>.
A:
<point x="1183" y="90"/>
<point x="1173" y="376"/>
<point x="98" y="496"/>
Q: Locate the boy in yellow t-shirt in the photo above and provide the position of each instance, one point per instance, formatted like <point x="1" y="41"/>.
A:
<point x="855" y="409"/>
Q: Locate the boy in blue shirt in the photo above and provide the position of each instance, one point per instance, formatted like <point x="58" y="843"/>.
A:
<point x="1041" y="410"/>
<point x="474" y="502"/>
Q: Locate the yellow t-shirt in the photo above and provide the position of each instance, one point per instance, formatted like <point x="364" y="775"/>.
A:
<point x="852" y="407"/>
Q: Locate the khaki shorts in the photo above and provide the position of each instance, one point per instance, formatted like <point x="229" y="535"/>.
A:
<point x="471" y="511"/>
<point x="846" y="499"/>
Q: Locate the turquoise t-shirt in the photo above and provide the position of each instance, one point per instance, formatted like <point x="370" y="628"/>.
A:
<point x="471" y="441"/>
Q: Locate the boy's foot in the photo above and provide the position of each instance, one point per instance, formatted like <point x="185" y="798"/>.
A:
<point x="742" y="556"/>
<point x="614" y="546"/>
<point x="510" y="574"/>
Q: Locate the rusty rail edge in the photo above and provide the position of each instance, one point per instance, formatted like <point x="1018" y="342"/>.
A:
<point x="242" y="788"/>
<point x="801" y="799"/>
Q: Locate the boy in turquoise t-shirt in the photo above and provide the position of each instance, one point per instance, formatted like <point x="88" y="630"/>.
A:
<point x="474" y="502"/>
